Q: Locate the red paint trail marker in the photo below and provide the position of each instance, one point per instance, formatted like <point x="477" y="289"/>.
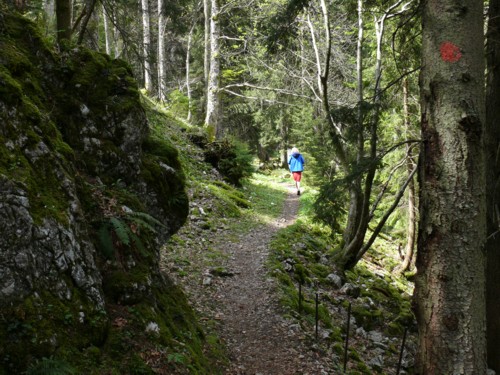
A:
<point x="450" y="52"/>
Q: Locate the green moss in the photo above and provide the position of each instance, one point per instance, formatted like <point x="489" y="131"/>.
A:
<point x="301" y="273"/>
<point x="40" y="179"/>
<point x="10" y="89"/>
<point x="16" y="60"/>
<point x="127" y="287"/>
<point x="99" y="80"/>
<point x="41" y="325"/>
<point x="168" y="186"/>
<point x="320" y="270"/>
<point x="226" y="205"/>
<point x="162" y="149"/>
<point x="162" y="170"/>
<point x="367" y="318"/>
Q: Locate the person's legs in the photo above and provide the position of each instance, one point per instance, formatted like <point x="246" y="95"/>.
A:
<point x="297" y="177"/>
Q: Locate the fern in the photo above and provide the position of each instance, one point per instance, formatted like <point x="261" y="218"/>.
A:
<point x="50" y="366"/>
<point x="121" y="229"/>
<point x="145" y="218"/>
<point x="144" y="225"/>
<point x="138" y="244"/>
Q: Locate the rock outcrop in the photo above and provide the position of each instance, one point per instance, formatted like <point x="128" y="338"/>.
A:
<point x="86" y="197"/>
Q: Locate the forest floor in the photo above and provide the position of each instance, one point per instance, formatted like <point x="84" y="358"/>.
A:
<point x="242" y="300"/>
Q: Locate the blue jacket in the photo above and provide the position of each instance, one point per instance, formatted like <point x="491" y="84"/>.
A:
<point x="296" y="163"/>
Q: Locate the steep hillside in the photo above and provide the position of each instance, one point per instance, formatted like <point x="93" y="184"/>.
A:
<point x="87" y="195"/>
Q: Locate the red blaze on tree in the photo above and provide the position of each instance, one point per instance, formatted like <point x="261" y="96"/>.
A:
<point x="450" y="52"/>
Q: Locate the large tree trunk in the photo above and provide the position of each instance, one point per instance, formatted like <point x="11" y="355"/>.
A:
<point x="213" y="99"/>
<point x="146" y="43"/>
<point x="63" y="20"/>
<point x="492" y="147"/>
<point x="450" y="281"/>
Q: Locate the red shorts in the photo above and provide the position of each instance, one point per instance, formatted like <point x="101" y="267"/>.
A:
<point x="297" y="176"/>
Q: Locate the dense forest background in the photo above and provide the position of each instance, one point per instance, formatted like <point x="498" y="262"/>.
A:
<point x="361" y="87"/>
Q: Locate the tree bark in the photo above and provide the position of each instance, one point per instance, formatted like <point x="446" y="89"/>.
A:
<point x="63" y="20"/>
<point x="107" y="31"/>
<point x="492" y="148"/>
<point x="161" y="53"/>
<point x="206" y="57"/>
<point x="284" y="136"/>
<point x="450" y="280"/>
<point x="213" y="99"/>
<point x="93" y="35"/>
<point x="146" y="43"/>
<point x="188" y="79"/>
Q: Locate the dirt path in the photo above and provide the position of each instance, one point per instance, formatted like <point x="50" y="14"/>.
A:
<point x="259" y="339"/>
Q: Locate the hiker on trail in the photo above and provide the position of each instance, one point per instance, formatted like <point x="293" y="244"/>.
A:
<point x="296" y="164"/>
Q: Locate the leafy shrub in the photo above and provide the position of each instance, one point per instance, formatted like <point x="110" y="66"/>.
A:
<point x="232" y="159"/>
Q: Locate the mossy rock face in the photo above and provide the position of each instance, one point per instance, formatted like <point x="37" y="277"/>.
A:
<point x="103" y="120"/>
<point x="78" y="167"/>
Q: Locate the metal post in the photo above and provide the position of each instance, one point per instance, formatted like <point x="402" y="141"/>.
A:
<point x="317" y="315"/>
<point x="401" y="352"/>
<point x="347" y="336"/>
<point x="300" y="297"/>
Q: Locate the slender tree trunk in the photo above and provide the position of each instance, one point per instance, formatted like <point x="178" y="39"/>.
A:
<point x="107" y="32"/>
<point x="188" y="80"/>
<point x="411" y="228"/>
<point x="117" y="40"/>
<point x="492" y="148"/>
<point x="355" y="191"/>
<point x="88" y="27"/>
<point x="162" y="78"/>
<point x="450" y="281"/>
<point x="213" y="99"/>
<point x="354" y="249"/>
<point x="146" y="43"/>
<point x="206" y="59"/>
<point x="284" y="136"/>
<point x="63" y="20"/>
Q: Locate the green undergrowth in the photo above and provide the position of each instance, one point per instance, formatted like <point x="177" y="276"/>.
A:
<point x="302" y="254"/>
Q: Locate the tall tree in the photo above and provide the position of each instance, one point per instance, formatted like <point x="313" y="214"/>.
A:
<point x="450" y="281"/>
<point x="146" y="44"/>
<point x="213" y="94"/>
<point x="410" y="166"/>
<point x="361" y="205"/>
<point x="107" y="32"/>
<point x="206" y="54"/>
<point x="162" y="77"/>
<point x="63" y="19"/>
<point x="492" y="148"/>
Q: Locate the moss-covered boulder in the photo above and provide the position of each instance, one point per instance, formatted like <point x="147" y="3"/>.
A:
<point x="86" y="197"/>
